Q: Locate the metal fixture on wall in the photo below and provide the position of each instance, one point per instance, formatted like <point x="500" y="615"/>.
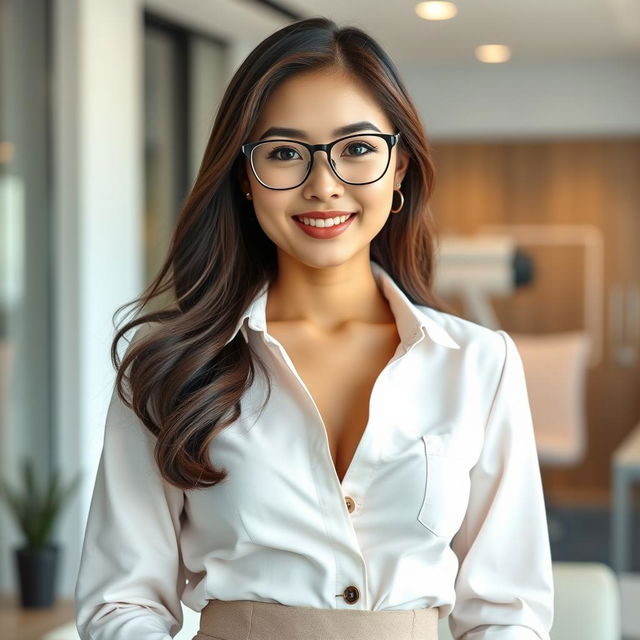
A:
<point x="590" y="238"/>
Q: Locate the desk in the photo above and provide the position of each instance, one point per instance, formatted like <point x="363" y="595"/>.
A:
<point x="626" y="472"/>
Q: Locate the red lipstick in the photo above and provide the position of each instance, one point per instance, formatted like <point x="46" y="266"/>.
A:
<point x="324" y="232"/>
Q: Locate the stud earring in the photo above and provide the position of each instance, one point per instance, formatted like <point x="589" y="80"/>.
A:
<point x="248" y="194"/>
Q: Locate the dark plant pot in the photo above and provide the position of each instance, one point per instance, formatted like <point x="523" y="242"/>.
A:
<point x="36" y="568"/>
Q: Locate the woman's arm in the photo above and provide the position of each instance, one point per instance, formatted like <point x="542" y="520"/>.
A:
<point x="131" y="575"/>
<point x="504" y="587"/>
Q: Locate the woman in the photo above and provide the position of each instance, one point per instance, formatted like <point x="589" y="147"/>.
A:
<point x="378" y="466"/>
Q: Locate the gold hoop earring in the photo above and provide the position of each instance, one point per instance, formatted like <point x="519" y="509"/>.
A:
<point x="401" y="199"/>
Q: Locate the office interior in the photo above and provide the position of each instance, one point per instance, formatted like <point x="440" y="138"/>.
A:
<point x="105" y="108"/>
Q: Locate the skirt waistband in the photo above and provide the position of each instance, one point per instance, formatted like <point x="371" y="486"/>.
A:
<point x="257" y="620"/>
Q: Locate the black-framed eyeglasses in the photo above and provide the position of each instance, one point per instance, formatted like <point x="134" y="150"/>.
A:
<point x="281" y="164"/>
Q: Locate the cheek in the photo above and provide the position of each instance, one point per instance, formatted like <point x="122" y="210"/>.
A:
<point x="272" y="202"/>
<point x="377" y="198"/>
<point x="271" y="208"/>
<point x="269" y="202"/>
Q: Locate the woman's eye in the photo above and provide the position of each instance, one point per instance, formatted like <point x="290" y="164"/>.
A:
<point x="275" y="153"/>
<point x="359" y="145"/>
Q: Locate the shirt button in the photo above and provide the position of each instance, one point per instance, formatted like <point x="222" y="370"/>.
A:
<point x="351" y="505"/>
<point x="351" y="594"/>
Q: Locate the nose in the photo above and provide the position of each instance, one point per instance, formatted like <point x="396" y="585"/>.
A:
<point x="322" y="182"/>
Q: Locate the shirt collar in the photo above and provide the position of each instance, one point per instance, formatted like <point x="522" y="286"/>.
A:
<point x="410" y="319"/>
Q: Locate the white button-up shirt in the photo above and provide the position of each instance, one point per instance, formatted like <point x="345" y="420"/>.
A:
<point x="441" y="506"/>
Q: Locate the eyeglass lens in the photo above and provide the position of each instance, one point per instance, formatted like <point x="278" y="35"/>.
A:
<point x="283" y="165"/>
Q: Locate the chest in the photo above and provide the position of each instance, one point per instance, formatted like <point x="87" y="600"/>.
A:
<point x="339" y="374"/>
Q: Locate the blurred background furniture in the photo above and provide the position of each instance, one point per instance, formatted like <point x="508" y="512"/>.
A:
<point x="491" y="264"/>
<point x="478" y="268"/>
<point x="626" y="473"/>
<point x="587" y="603"/>
<point x="555" y="366"/>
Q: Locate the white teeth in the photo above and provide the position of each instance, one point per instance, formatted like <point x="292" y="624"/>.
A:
<point x="321" y="222"/>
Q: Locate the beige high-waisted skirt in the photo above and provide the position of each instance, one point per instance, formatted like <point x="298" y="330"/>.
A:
<point x="249" y="620"/>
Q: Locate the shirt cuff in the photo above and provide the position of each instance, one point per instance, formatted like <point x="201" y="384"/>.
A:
<point x="500" y="632"/>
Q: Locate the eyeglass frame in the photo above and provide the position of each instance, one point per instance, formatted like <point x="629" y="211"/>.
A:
<point x="390" y="138"/>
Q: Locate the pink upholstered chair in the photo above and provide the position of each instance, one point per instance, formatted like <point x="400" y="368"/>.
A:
<point x="555" y="366"/>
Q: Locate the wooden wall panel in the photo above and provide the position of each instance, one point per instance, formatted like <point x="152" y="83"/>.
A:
<point x="558" y="182"/>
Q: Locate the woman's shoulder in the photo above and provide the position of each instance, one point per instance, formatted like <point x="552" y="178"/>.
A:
<point x="461" y="329"/>
<point x="473" y="338"/>
<point x="484" y="354"/>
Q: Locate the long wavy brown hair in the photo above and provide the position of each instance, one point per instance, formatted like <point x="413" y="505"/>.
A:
<point x="185" y="380"/>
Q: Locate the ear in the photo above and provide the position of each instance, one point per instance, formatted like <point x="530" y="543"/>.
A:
<point x="402" y="165"/>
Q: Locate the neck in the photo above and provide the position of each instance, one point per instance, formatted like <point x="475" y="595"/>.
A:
<point x="328" y="299"/>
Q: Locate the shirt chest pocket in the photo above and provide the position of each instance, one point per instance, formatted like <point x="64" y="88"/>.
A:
<point x="446" y="486"/>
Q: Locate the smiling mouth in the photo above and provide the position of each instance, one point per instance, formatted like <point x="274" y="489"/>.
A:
<point x="324" y="223"/>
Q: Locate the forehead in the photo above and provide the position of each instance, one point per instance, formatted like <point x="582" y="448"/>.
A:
<point x="318" y="102"/>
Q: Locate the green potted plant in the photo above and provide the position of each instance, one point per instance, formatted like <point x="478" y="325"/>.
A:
<point x="36" y="513"/>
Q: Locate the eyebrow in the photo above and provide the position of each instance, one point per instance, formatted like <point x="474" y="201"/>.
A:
<point x="340" y="131"/>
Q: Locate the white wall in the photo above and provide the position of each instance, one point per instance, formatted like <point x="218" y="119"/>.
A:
<point x="98" y="180"/>
<point x="568" y="99"/>
<point x="208" y="61"/>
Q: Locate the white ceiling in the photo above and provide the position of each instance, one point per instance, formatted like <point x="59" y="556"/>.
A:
<point x="536" y="30"/>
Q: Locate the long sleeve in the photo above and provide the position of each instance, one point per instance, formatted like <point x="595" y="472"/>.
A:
<point x="131" y="575"/>
<point x="504" y="587"/>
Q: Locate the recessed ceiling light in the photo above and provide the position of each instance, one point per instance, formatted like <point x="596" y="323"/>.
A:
<point x="493" y="53"/>
<point x="436" y="10"/>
